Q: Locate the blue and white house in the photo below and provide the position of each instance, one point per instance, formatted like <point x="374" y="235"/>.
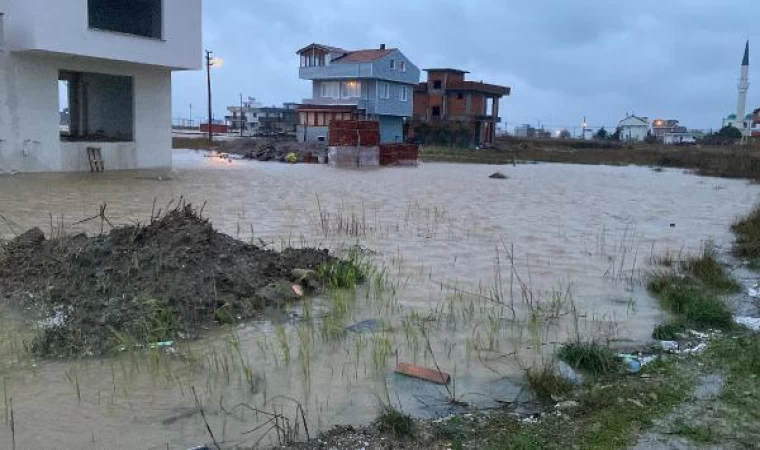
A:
<point x="374" y="84"/>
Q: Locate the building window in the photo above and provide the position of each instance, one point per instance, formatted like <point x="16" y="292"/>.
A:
<point x="137" y="17"/>
<point x="403" y="66"/>
<point x="436" y="111"/>
<point x="350" y="89"/>
<point x="385" y="90"/>
<point x="95" y="106"/>
<point x="437" y="84"/>
<point x="330" y="89"/>
<point x="460" y="96"/>
<point x="404" y="94"/>
<point x="393" y="64"/>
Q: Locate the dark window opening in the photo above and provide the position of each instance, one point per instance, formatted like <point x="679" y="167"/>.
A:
<point x="137" y="17"/>
<point x="95" y="107"/>
<point x="437" y="84"/>
<point x="436" y="111"/>
<point x="460" y="96"/>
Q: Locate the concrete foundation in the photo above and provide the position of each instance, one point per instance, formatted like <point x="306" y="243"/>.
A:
<point x="354" y="156"/>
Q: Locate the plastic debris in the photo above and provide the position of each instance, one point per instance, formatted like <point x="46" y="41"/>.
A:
<point x="753" y="323"/>
<point x="423" y="373"/>
<point x="164" y="344"/>
<point x="695" y="350"/>
<point x="631" y="363"/>
<point x="297" y="290"/>
<point x="754" y="291"/>
<point x="568" y="373"/>
<point x="669" y="346"/>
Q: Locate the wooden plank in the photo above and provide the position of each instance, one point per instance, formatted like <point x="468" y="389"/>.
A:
<point x="423" y="373"/>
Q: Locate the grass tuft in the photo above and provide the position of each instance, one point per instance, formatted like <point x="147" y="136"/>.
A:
<point x="345" y="273"/>
<point x="669" y="331"/>
<point x="591" y="357"/>
<point x="709" y="271"/>
<point x="547" y="383"/>
<point x="395" y="422"/>
<point x="747" y="231"/>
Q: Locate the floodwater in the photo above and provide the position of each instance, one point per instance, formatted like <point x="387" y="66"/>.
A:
<point x="483" y="278"/>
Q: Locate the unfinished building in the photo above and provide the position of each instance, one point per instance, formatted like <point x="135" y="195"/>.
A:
<point x="95" y="75"/>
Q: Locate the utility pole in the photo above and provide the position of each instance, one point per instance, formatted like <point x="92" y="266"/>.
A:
<point x="190" y="123"/>
<point x="242" y="115"/>
<point x="209" y="63"/>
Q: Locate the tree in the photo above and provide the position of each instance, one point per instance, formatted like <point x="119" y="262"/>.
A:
<point x="729" y="132"/>
<point x="602" y="134"/>
<point x="616" y="135"/>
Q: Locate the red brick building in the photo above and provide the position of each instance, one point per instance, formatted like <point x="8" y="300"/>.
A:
<point x="446" y="99"/>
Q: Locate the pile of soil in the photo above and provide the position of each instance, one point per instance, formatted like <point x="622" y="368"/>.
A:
<point x="272" y="149"/>
<point x="144" y="283"/>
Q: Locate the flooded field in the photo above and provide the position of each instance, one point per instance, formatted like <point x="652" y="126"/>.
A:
<point x="481" y="277"/>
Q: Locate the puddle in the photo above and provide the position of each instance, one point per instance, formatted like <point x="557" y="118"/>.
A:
<point x="550" y="239"/>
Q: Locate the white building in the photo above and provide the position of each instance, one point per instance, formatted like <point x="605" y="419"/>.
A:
<point x="633" y="129"/>
<point x="109" y="63"/>
<point x="741" y="120"/>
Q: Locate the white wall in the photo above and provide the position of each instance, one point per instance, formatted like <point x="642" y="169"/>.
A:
<point x="29" y="118"/>
<point x="61" y="26"/>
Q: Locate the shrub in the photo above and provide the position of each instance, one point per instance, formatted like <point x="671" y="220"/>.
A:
<point x="397" y="423"/>
<point x="589" y="356"/>
<point x="546" y="382"/>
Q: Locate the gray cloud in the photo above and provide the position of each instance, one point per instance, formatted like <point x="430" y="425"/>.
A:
<point x="598" y="58"/>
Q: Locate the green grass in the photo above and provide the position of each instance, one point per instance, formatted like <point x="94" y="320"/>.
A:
<point x="669" y="331"/>
<point x="699" y="434"/>
<point x="693" y="295"/>
<point x="747" y="231"/>
<point x="709" y="271"/>
<point x="547" y="383"/>
<point x="345" y="273"/>
<point x="393" y="421"/>
<point x="610" y="415"/>
<point x="590" y="357"/>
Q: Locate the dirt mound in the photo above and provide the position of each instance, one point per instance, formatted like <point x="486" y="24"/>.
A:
<point x="272" y="149"/>
<point x="141" y="284"/>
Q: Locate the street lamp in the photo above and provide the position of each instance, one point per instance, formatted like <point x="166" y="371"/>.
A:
<point x="211" y="62"/>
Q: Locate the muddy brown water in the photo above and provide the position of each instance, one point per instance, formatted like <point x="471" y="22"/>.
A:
<point x="580" y="232"/>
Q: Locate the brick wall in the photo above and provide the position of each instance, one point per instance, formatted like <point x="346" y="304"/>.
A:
<point x="352" y="133"/>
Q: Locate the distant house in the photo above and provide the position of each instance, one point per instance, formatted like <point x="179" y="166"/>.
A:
<point x="446" y="98"/>
<point x="661" y="127"/>
<point x="756" y="123"/>
<point x="633" y="129"/>
<point x="681" y="138"/>
<point x="107" y="65"/>
<point x="372" y="84"/>
<point x="255" y="118"/>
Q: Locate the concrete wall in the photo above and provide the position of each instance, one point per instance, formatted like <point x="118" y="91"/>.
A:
<point x="29" y="118"/>
<point x="62" y="27"/>
<point x="311" y="134"/>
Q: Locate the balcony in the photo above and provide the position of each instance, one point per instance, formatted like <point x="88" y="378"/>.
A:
<point x="357" y="102"/>
<point x="336" y="71"/>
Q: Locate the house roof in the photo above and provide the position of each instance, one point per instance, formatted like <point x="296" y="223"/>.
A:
<point x="641" y="120"/>
<point x="350" y="56"/>
<point x="446" y="69"/>
<point x="364" y="55"/>
<point x="325" y="48"/>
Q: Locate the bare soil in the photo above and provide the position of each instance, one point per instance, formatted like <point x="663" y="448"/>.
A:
<point x="143" y="283"/>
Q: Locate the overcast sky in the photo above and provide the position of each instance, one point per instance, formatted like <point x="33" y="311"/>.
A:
<point x="563" y="59"/>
